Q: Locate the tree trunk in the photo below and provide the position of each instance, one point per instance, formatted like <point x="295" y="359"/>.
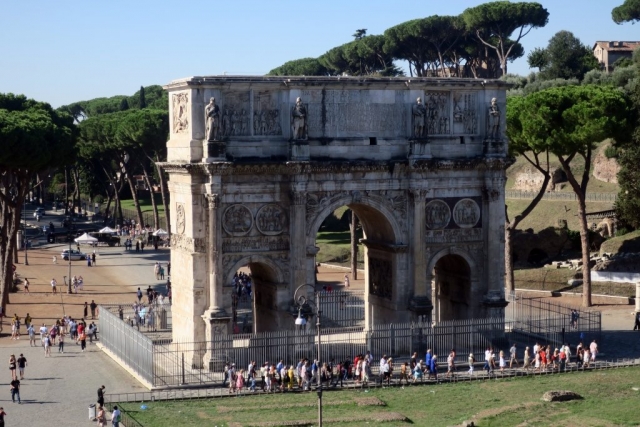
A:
<point x="136" y="201"/>
<point x="586" y="250"/>
<point x="66" y="191"/>
<point x="156" y="219"/>
<point x="76" y="191"/>
<point x="354" y="246"/>
<point x="165" y="198"/>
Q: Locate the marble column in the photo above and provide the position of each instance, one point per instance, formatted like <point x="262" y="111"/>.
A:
<point x="493" y="201"/>
<point x="299" y="251"/>
<point x="216" y="318"/>
<point x="420" y="304"/>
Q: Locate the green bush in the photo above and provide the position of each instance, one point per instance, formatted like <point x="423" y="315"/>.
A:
<point x="611" y="152"/>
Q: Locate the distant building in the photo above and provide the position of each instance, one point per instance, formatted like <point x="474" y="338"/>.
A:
<point x="608" y="53"/>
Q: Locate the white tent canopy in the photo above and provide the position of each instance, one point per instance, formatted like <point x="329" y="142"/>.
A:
<point x="160" y="232"/>
<point x="107" y="230"/>
<point x="85" y="238"/>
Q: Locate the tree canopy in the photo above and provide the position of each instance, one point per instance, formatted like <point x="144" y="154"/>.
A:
<point x="629" y="11"/>
<point x="34" y="137"/>
<point x="360" y="57"/>
<point x="500" y="19"/>
<point x="151" y="96"/>
<point x="300" y="67"/>
<point x="565" y="57"/>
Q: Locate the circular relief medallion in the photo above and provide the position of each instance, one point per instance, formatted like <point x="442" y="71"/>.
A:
<point x="271" y="220"/>
<point x="437" y="215"/>
<point x="237" y="220"/>
<point x="180" y="218"/>
<point x="466" y="213"/>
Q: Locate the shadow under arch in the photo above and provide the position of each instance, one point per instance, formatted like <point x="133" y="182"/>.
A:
<point x="453" y="274"/>
<point x="264" y="268"/>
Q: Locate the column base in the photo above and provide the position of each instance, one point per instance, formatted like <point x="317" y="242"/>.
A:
<point x="422" y="307"/>
<point x="217" y="323"/>
<point x="495" y="304"/>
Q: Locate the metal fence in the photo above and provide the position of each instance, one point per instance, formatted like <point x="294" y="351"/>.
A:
<point x="552" y="322"/>
<point x="342" y="309"/>
<point x="166" y="363"/>
<point x="128" y="344"/>
<point x="568" y="197"/>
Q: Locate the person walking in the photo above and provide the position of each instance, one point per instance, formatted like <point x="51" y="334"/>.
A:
<point x="139" y="294"/>
<point x="82" y="337"/>
<point x="2" y="414"/>
<point x="22" y="363"/>
<point x="55" y="259"/>
<point x="471" y="360"/>
<point x="26" y="285"/>
<point x="101" y="417"/>
<point x="15" y="390"/>
<point x="93" y="257"/>
<point x="12" y="366"/>
<point x="93" y="307"/>
<point x="85" y="311"/>
<point x="61" y="343"/>
<point x="54" y="283"/>
<point x="636" y="326"/>
<point x="32" y="336"/>
<point x="513" y="357"/>
<point x="47" y="346"/>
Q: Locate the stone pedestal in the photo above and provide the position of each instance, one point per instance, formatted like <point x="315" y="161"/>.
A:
<point x="217" y="326"/>
<point x="214" y="151"/>
<point x="495" y="304"/>
<point x="419" y="149"/>
<point x="494" y="148"/>
<point x="299" y="150"/>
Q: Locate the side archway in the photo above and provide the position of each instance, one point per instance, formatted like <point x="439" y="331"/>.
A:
<point x="265" y="275"/>
<point x="454" y="277"/>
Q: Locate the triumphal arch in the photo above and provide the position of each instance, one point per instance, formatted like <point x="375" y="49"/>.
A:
<point x="256" y="164"/>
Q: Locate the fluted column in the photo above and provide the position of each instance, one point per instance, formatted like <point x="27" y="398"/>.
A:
<point x="420" y="303"/>
<point x="216" y="304"/>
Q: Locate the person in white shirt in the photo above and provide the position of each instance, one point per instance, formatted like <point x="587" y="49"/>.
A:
<point x="54" y="283"/>
<point x="43" y="333"/>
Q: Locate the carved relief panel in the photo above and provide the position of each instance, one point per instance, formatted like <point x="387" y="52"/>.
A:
<point x="180" y="218"/>
<point x="452" y="213"/>
<point x="237" y="220"/>
<point x="266" y="114"/>
<point x="235" y="114"/>
<point x="180" y="107"/>
<point x="380" y="276"/>
<point x="437" y="114"/>
<point x="271" y="220"/>
<point x="255" y="227"/>
<point x="465" y="113"/>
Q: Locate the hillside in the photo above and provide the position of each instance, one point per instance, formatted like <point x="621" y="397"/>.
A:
<point x="548" y="212"/>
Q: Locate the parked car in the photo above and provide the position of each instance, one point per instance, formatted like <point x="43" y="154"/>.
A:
<point x="38" y="212"/>
<point x="75" y="255"/>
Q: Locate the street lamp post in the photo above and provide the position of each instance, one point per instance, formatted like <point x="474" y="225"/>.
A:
<point x="302" y="303"/>
<point x="26" y="242"/>
<point x="70" y="236"/>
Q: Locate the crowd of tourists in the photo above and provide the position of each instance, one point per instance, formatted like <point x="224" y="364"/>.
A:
<point x="364" y="369"/>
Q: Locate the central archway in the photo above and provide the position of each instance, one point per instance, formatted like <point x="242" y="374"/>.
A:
<point x="382" y="236"/>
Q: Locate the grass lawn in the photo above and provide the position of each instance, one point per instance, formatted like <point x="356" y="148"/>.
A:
<point x="145" y="204"/>
<point x="335" y="247"/>
<point x="609" y="399"/>
<point x="555" y="279"/>
<point x="548" y="212"/>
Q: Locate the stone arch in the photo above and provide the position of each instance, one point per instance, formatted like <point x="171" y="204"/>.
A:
<point x="455" y="282"/>
<point x="275" y="270"/>
<point x="373" y="215"/>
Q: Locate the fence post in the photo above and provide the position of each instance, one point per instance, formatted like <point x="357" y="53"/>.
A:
<point x="183" y="381"/>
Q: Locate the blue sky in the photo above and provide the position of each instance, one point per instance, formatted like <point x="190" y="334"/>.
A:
<point x="63" y="51"/>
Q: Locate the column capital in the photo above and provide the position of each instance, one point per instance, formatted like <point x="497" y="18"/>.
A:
<point x="298" y="197"/>
<point x="213" y="200"/>
<point x="418" y="195"/>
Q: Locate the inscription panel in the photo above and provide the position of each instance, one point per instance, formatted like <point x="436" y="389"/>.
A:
<point x="454" y="235"/>
<point x="255" y="244"/>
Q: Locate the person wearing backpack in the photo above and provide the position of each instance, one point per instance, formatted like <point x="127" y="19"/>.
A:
<point x="116" y="417"/>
